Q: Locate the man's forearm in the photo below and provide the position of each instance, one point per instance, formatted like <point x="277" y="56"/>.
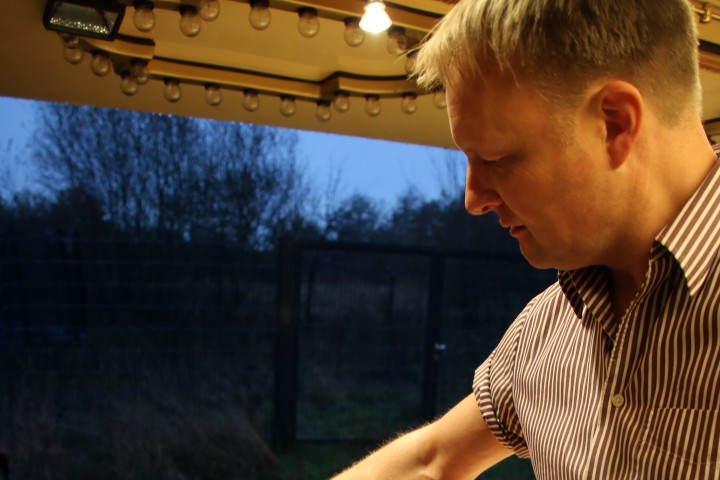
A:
<point x="459" y="446"/>
<point x="410" y="456"/>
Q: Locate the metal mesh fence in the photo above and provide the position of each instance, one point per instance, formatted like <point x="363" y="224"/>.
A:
<point x="106" y="342"/>
<point x="363" y="340"/>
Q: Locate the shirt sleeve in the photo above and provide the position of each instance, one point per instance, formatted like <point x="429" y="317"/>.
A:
<point x="493" y="388"/>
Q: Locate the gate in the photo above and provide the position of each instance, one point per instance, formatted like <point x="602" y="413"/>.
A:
<point x="373" y="339"/>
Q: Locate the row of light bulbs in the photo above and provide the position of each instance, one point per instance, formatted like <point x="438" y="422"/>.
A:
<point x="375" y="20"/>
<point x="101" y="65"/>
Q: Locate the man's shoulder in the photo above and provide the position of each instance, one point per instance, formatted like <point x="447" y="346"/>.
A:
<point x="552" y="299"/>
<point x="548" y="310"/>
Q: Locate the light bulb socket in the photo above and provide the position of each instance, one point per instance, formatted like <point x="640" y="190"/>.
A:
<point x="353" y="35"/>
<point x="73" y="55"/>
<point x="144" y="16"/>
<point x="213" y="94"/>
<point x="69" y="39"/>
<point x="128" y="84"/>
<point x="287" y="105"/>
<point x="439" y="99"/>
<point x="259" y="15"/>
<point x="100" y="64"/>
<point x="307" y="11"/>
<point x="408" y="103"/>
<point x="308" y="23"/>
<point x="173" y="92"/>
<point x="138" y="69"/>
<point x="251" y="100"/>
<point x="397" y="41"/>
<point x="190" y="23"/>
<point x="410" y="61"/>
<point x="341" y="102"/>
<point x="323" y="112"/>
<point x="209" y="10"/>
<point x="372" y="105"/>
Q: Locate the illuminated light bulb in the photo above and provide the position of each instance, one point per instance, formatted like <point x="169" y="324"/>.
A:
<point x="144" y="17"/>
<point x="409" y="103"/>
<point x="287" y="105"/>
<point x="259" y="16"/>
<point x="375" y="19"/>
<point x="397" y="41"/>
<point x="372" y="105"/>
<point x="323" y="112"/>
<point x="100" y="64"/>
<point x="308" y="23"/>
<point x="128" y="84"/>
<point x="213" y="95"/>
<point x="251" y="100"/>
<point x="190" y="24"/>
<point x="209" y="10"/>
<point x="69" y="40"/>
<point x="173" y="92"/>
<point x="354" y="35"/>
<point x="341" y="102"/>
<point x="439" y="99"/>
<point x="138" y="69"/>
<point x="73" y="55"/>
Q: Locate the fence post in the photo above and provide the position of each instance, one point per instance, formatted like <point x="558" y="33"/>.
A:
<point x="433" y="344"/>
<point x="286" y="343"/>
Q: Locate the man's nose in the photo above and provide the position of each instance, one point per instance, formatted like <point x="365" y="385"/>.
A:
<point x="479" y="197"/>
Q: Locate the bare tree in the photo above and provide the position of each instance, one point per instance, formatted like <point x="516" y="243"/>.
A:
<point x="176" y="176"/>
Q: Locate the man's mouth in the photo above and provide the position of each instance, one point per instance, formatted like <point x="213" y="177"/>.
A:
<point x="517" y="230"/>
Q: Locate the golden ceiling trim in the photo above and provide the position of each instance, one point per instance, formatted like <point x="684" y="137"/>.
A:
<point x="134" y="50"/>
<point x="325" y="90"/>
<point x="127" y="49"/>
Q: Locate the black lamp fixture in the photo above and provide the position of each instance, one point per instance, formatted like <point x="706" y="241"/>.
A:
<point x="88" y="18"/>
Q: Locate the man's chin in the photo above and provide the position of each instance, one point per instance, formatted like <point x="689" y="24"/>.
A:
<point x="537" y="259"/>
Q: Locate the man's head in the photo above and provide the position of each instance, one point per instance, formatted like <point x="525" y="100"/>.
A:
<point x="561" y="46"/>
<point x="560" y="106"/>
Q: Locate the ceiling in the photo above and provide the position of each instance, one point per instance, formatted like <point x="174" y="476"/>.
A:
<point x="276" y="61"/>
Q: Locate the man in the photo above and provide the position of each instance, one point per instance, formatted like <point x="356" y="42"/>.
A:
<point x="580" y="120"/>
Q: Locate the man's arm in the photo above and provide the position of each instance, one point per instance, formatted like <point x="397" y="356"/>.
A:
<point x="457" y="446"/>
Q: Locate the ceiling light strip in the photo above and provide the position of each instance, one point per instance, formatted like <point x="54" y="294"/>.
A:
<point x="203" y="75"/>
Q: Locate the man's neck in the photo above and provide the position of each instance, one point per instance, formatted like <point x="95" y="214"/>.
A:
<point x="675" y="168"/>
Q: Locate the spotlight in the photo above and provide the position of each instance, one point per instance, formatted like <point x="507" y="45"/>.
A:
<point x="84" y="17"/>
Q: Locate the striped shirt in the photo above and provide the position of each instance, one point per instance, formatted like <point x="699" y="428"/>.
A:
<point x="585" y="396"/>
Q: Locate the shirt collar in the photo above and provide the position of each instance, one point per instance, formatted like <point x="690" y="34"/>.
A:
<point x="692" y="238"/>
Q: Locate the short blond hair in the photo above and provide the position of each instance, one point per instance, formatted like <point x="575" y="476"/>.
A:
<point x="560" y="46"/>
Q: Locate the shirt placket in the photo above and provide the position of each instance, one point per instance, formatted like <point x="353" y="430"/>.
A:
<point x="629" y="341"/>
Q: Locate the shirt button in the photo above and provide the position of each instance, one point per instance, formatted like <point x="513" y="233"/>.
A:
<point x="617" y="400"/>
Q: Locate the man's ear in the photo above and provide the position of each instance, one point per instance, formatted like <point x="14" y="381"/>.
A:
<point x="621" y="106"/>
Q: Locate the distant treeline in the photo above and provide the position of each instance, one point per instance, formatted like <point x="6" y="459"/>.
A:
<point x="132" y="175"/>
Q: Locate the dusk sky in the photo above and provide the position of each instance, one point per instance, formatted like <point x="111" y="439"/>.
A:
<point x="380" y="169"/>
